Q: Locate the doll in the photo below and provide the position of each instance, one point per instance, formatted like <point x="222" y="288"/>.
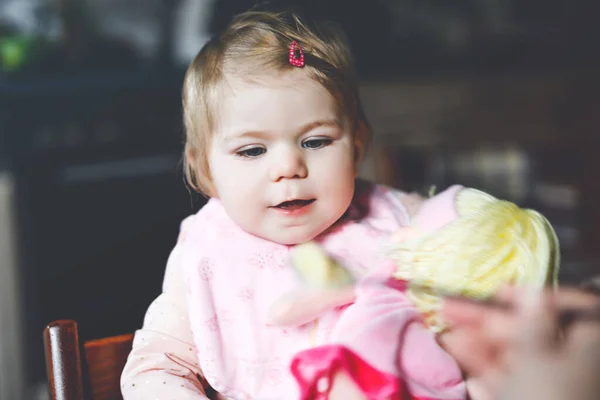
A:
<point x="472" y="250"/>
<point x="461" y="241"/>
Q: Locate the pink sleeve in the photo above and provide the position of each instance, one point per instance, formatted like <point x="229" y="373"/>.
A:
<point x="385" y="330"/>
<point x="163" y="363"/>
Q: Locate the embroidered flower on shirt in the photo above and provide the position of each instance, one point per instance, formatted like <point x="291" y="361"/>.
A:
<point x="205" y="269"/>
<point x="276" y="258"/>
<point x="282" y="258"/>
<point x="212" y="323"/>
<point x="262" y="260"/>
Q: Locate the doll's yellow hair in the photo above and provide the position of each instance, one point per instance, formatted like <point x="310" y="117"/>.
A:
<point x="492" y="243"/>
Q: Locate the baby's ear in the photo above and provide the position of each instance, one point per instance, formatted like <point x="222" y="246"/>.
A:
<point x="361" y="135"/>
<point x="191" y="164"/>
<point x="191" y="155"/>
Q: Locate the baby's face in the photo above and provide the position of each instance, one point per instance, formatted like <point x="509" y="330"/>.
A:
<point x="282" y="159"/>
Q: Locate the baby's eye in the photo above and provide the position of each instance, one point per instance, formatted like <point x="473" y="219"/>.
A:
<point x="316" y="143"/>
<point x="251" y="152"/>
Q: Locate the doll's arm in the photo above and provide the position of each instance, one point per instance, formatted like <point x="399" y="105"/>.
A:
<point x="316" y="269"/>
<point x="304" y="305"/>
<point x="326" y="285"/>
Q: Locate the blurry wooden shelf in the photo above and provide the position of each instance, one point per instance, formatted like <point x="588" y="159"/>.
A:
<point x="461" y="110"/>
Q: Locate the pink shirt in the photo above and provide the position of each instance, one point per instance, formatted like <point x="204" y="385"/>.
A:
<point x="209" y="323"/>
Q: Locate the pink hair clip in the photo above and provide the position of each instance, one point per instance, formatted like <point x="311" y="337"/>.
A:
<point x="296" y="61"/>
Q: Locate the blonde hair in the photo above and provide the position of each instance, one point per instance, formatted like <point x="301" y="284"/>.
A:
<point x="255" y="42"/>
<point x="490" y="244"/>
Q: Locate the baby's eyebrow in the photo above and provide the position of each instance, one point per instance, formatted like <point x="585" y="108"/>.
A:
<point x="334" y="123"/>
<point x="246" y="134"/>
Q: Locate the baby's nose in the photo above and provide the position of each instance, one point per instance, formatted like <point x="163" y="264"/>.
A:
<point x="291" y="165"/>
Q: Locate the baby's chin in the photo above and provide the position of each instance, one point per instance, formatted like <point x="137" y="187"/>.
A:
<point x="290" y="236"/>
<point x="293" y="238"/>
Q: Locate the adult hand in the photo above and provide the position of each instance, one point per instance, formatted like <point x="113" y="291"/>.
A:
<point x="521" y="352"/>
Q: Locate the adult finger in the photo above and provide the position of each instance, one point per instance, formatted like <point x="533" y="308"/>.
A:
<point x="569" y="297"/>
<point x="507" y="293"/>
<point x="458" y="311"/>
<point x="565" y="296"/>
<point x="538" y="321"/>
<point x="500" y="327"/>
<point x="584" y="338"/>
<point x="495" y="324"/>
<point x="470" y="350"/>
<point x="464" y="313"/>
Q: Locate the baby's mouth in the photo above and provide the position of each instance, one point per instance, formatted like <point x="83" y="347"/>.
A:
<point x="293" y="205"/>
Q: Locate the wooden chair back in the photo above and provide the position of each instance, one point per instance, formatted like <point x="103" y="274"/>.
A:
<point x="91" y="370"/>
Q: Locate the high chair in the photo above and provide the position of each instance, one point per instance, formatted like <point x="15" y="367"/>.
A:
<point x="93" y="377"/>
<point x="96" y="375"/>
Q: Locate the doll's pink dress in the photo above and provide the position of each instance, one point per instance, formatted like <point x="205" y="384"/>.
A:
<point x="380" y="341"/>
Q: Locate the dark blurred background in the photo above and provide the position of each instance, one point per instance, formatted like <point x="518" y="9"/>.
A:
<point x="502" y="95"/>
